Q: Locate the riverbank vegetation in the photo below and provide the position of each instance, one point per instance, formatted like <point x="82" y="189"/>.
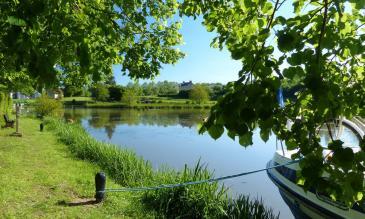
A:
<point x="5" y="105"/>
<point x="144" y="102"/>
<point x="204" y="200"/>
<point x="45" y="106"/>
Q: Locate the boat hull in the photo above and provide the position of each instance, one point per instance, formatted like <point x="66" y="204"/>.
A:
<point x="305" y="204"/>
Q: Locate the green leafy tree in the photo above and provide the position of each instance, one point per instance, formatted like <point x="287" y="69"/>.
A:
<point x="115" y="92"/>
<point x="150" y="89"/>
<point x="217" y="90"/>
<point x="130" y="96"/>
<point x="100" y="92"/>
<point x="53" y="40"/>
<point x="199" y="93"/>
<point x="72" y="91"/>
<point x="45" y="106"/>
<point x="16" y="81"/>
<point x="167" y="88"/>
<point x="135" y="87"/>
<point x="320" y="47"/>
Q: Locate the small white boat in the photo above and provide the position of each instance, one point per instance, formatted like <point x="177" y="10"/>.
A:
<point x="309" y="204"/>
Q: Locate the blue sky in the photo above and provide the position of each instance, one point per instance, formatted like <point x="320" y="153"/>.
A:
<point x="201" y="64"/>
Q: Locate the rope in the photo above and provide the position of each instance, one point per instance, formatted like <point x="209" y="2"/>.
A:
<point x="135" y="189"/>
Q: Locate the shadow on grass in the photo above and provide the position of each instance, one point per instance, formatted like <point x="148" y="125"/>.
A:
<point x="78" y="203"/>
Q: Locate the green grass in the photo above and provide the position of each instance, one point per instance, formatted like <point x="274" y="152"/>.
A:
<point x="65" y="99"/>
<point x="39" y="178"/>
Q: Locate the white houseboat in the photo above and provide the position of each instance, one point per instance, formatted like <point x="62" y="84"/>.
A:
<point x="311" y="204"/>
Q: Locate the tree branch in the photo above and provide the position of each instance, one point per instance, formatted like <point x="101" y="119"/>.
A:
<point x="240" y="80"/>
<point x="323" y="28"/>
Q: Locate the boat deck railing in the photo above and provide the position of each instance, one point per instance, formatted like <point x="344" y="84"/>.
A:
<point x="360" y="123"/>
<point x="356" y="124"/>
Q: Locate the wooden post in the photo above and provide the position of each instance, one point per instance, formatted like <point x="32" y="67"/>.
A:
<point x="17" y="133"/>
<point x="17" y="106"/>
<point x="100" y="181"/>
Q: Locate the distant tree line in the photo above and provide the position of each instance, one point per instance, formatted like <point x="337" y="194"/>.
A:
<point x="110" y="91"/>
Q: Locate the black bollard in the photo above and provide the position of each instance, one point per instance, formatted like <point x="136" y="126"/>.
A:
<point x="41" y="127"/>
<point x="100" y="181"/>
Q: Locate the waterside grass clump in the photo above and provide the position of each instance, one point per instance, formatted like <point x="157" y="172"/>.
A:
<point x="127" y="169"/>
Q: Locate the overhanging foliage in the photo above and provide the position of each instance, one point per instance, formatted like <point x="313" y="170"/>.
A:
<point x="320" y="47"/>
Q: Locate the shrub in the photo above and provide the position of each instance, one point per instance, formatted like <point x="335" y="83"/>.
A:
<point x="199" y="94"/>
<point x="100" y="92"/>
<point x="45" y="106"/>
<point x="130" y="96"/>
<point x="5" y="105"/>
<point x="115" y="93"/>
<point x="183" y="94"/>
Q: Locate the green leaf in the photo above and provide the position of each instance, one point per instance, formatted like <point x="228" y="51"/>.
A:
<point x="335" y="145"/>
<point x="301" y="181"/>
<point x="231" y="135"/>
<point x="200" y="127"/>
<point x="292" y="72"/>
<point x="298" y="4"/>
<point x="291" y="145"/>
<point x="287" y="41"/>
<point x="296" y="59"/>
<point x="216" y="131"/>
<point x="249" y="3"/>
<point x="260" y="22"/>
<point x="246" y="139"/>
<point x="359" y="196"/>
<point x="16" y="21"/>
<point x="265" y="134"/>
<point x="268" y="6"/>
<point x="237" y="54"/>
<point x="280" y="20"/>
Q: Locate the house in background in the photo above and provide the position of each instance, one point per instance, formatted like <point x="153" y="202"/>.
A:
<point x="51" y="93"/>
<point x="55" y="93"/>
<point x="186" y="86"/>
<point x="21" y="96"/>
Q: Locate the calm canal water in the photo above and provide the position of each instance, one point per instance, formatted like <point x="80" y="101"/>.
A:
<point x="170" y="137"/>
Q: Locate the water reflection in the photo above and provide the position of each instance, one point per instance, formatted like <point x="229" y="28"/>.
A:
<point x="170" y="137"/>
<point x="110" y="118"/>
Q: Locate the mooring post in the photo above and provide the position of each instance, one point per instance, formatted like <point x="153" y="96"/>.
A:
<point x="41" y="126"/>
<point x="100" y="181"/>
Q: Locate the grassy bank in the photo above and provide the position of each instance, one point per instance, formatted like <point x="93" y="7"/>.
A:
<point x="40" y="178"/>
<point x="151" y="103"/>
<point x="199" y="201"/>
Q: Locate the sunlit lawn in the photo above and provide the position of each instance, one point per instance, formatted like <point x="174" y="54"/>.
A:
<point x="77" y="99"/>
<point x="40" y="178"/>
